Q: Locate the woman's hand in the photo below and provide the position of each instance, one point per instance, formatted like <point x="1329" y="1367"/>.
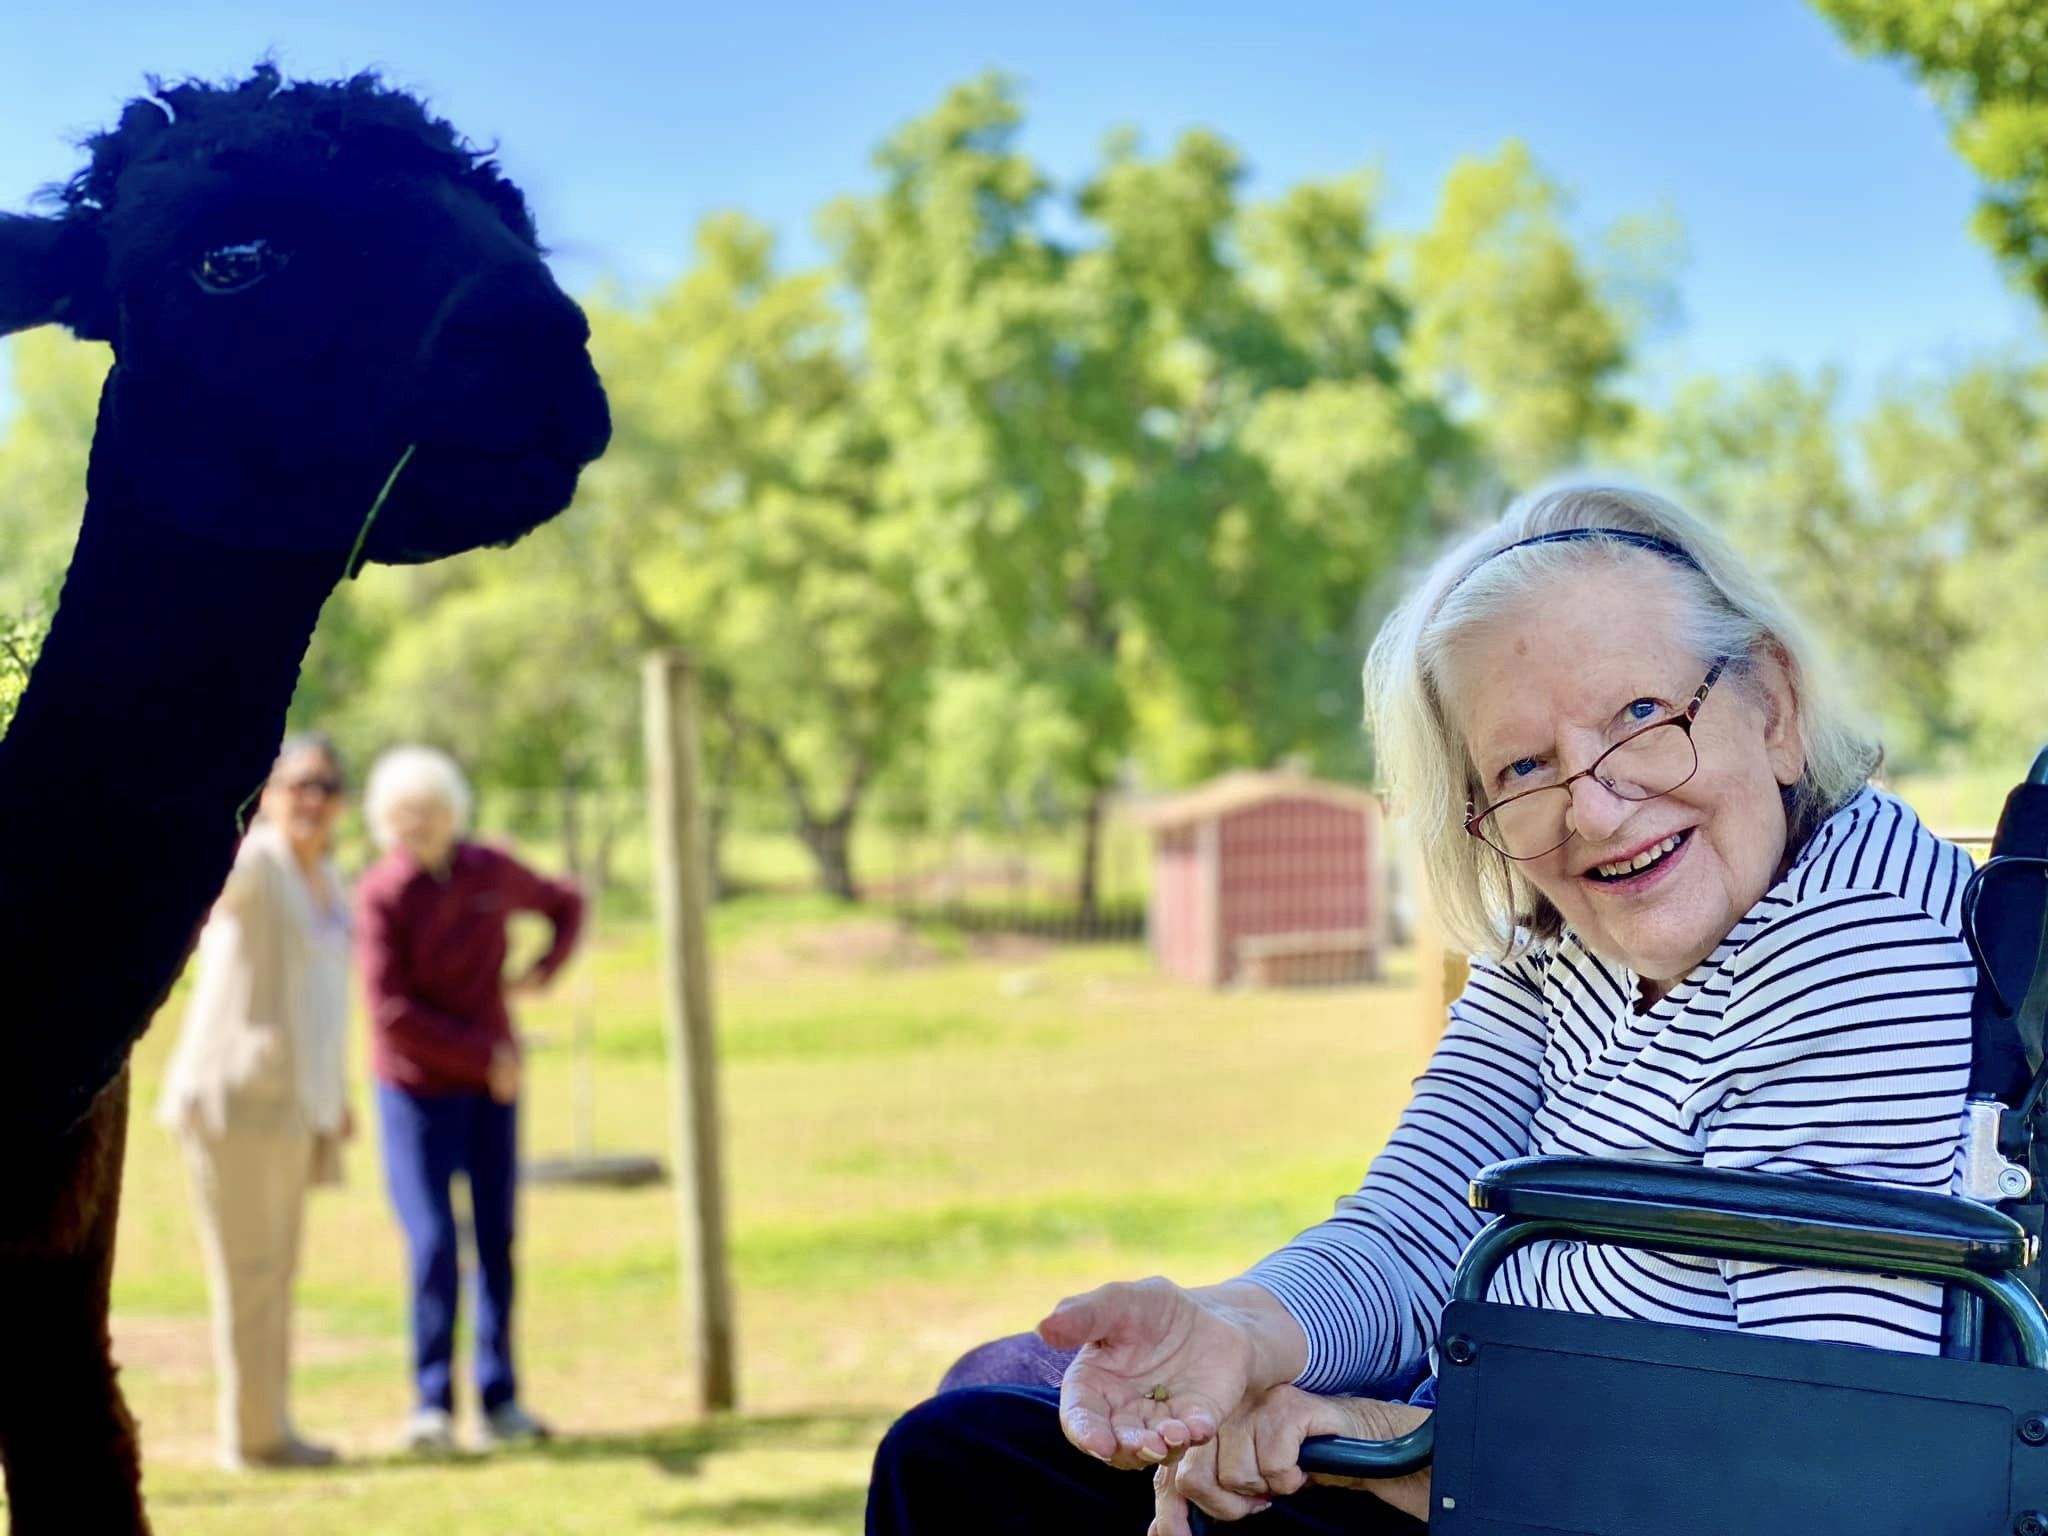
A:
<point x="1159" y="1368"/>
<point x="1256" y="1456"/>
<point x="504" y="1073"/>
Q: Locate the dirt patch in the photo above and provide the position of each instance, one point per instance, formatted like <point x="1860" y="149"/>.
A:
<point x="875" y="944"/>
<point x="181" y="1348"/>
<point x="1017" y="948"/>
<point x="176" y="1348"/>
<point x="864" y="944"/>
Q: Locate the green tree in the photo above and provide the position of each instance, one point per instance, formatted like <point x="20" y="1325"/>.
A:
<point x="56" y="384"/>
<point x="20" y="640"/>
<point x="739" y="513"/>
<point x="1964" y="463"/>
<point x="1770" y="459"/>
<point x="1512" y="327"/>
<point x="983" y="372"/>
<point x="512" y="670"/>
<point x="1910" y="537"/>
<point x="1986" y="61"/>
<point x="1175" y="448"/>
<point x="1007" y="744"/>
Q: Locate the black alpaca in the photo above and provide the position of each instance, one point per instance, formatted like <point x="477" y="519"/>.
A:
<point x="304" y="285"/>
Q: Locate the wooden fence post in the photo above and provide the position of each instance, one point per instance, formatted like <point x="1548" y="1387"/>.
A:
<point x="682" y="887"/>
<point x="1443" y="980"/>
<point x="1440" y="973"/>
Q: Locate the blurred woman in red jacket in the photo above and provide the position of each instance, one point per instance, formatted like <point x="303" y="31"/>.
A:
<point x="430" y="936"/>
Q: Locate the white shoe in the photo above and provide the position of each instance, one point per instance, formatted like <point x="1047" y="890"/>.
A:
<point x="510" y="1424"/>
<point x="429" y="1432"/>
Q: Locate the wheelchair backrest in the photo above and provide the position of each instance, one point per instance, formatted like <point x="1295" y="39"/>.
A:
<point x="2003" y="916"/>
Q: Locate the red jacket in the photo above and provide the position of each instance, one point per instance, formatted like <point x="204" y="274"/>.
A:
<point x="432" y="951"/>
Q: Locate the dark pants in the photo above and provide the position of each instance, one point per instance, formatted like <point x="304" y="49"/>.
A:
<point x="992" y="1460"/>
<point x="427" y="1142"/>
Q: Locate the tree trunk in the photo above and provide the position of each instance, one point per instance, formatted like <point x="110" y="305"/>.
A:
<point x="1091" y="858"/>
<point x="831" y="848"/>
<point x="829" y="838"/>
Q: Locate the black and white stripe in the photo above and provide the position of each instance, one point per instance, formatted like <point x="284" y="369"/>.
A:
<point x="1829" y="1033"/>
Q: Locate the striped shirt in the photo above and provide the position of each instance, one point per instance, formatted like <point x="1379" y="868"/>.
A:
<point x="1828" y="1033"/>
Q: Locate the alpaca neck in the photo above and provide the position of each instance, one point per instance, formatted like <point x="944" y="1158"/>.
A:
<point x="152" y="716"/>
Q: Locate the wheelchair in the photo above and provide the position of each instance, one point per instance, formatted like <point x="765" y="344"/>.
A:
<point x="1550" y="1422"/>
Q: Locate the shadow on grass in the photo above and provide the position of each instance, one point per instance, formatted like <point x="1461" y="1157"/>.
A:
<point x="677" y="1451"/>
<point x="830" y="1509"/>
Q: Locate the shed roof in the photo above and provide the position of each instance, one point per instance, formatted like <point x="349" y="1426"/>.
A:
<point x="1246" y="787"/>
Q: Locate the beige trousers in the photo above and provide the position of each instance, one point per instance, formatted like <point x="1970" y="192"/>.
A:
<point x="251" y="1192"/>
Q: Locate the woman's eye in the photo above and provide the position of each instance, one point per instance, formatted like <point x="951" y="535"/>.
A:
<point x="233" y="268"/>
<point x="1641" y="709"/>
<point x="1521" y="768"/>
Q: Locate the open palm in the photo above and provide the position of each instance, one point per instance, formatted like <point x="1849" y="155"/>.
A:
<point x="1158" y="1370"/>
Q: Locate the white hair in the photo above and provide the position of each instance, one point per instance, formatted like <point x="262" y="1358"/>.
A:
<point x="411" y="774"/>
<point x="1484" y="904"/>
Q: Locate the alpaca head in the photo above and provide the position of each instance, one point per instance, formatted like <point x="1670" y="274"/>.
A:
<point x="300" y="283"/>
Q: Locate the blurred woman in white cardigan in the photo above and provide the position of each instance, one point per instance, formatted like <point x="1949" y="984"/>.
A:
<point x="257" y="1090"/>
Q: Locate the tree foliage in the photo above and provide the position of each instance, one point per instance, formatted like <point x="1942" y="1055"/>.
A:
<point x="1512" y="328"/>
<point x="21" y="639"/>
<point x="1173" y="446"/>
<point x="1910" y="536"/>
<point x="740" y="513"/>
<point x="1964" y="464"/>
<point x="43" y="447"/>
<point x="55" y="382"/>
<point x="1986" y="61"/>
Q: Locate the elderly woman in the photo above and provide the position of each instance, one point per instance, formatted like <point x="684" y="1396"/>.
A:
<point x="1709" y="941"/>
<point x="257" y="1090"/>
<point x="430" y="917"/>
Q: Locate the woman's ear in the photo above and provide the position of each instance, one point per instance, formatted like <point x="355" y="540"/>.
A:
<point x="1776" y="681"/>
<point x="50" y="274"/>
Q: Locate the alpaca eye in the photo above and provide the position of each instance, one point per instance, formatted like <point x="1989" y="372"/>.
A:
<point x="232" y="268"/>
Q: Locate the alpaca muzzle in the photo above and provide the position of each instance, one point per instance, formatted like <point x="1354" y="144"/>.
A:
<point x="505" y="372"/>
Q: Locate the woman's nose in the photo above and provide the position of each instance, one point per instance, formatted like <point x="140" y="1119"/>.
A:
<point x="1597" y="811"/>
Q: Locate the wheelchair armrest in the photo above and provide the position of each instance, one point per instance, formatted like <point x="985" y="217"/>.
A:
<point x="1698" y="1210"/>
<point x="1867" y="1225"/>
<point x="1337" y="1456"/>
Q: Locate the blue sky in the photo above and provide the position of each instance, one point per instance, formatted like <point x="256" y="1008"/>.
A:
<point x="1825" y="214"/>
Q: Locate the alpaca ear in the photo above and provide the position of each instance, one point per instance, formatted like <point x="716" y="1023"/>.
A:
<point x="48" y="275"/>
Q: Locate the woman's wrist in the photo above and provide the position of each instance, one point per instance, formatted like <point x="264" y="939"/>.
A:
<point x="1374" y="1418"/>
<point x="1276" y="1344"/>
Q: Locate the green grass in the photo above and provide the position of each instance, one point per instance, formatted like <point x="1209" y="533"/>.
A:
<point x="929" y="1142"/>
<point x="1960" y="803"/>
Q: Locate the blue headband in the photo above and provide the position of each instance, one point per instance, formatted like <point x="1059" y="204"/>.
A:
<point x="1629" y="536"/>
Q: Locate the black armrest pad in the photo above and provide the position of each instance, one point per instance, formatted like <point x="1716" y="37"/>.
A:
<point x="1654" y="1202"/>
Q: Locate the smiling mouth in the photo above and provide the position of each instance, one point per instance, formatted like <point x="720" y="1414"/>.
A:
<point x="1650" y="858"/>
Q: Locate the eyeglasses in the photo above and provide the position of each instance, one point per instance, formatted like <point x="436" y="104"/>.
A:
<point x="1651" y="762"/>
<point x="326" y="789"/>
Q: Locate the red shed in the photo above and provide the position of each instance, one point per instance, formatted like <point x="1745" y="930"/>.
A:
<point x="1267" y="878"/>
